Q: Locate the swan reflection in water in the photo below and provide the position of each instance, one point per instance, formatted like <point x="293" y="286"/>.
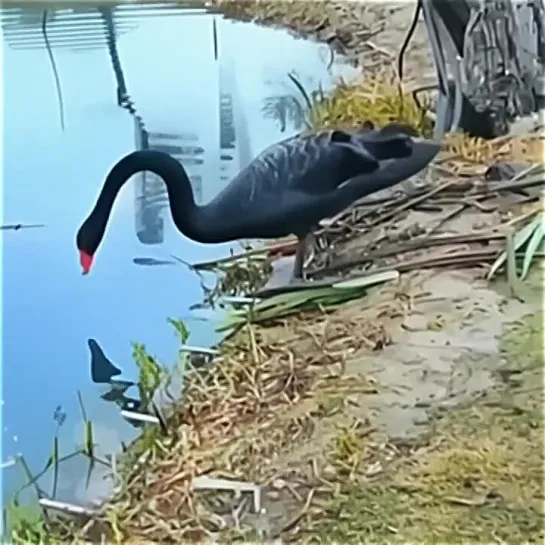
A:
<point x="104" y="372"/>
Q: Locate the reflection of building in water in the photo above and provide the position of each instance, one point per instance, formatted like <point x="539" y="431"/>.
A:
<point x="89" y="28"/>
<point x="151" y="197"/>
<point x="227" y="136"/>
<point x="234" y="139"/>
<point x="227" y="125"/>
<point x="70" y="28"/>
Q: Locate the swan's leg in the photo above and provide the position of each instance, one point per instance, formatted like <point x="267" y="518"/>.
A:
<point x="311" y="245"/>
<point x="300" y="254"/>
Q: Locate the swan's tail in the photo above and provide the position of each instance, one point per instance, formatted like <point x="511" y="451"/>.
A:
<point x="393" y="141"/>
<point x="392" y="171"/>
<point x="379" y="146"/>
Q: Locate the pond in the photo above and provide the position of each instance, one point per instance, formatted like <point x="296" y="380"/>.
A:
<point x="213" y="93"/>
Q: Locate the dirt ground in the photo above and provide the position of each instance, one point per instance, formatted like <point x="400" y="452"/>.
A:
<point x="476" y="474"/>
<point x="415" y="411"/>
<point x="444" y="437"/>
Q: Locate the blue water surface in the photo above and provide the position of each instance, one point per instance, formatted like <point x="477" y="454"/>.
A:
<point x="52" y="177"/>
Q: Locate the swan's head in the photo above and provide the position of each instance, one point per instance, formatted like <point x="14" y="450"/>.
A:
<point x="87" y="241"/>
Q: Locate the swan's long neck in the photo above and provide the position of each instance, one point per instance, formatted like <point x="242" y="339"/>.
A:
<point x="187" y="216"/>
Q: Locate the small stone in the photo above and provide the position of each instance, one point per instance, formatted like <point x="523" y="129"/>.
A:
<point x="329" y="472"/>
<point x="279" y="484"/>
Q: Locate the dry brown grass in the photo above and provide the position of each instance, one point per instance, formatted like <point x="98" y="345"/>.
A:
<point x="277" y="408"/>
<point x="379" y="99"/>
<point x="332" y="21"/>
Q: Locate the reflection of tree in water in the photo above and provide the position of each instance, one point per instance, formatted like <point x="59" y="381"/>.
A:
<point x="151" y="191"/>
<point x="103" y="27"/>
<point x="291" y="107"/>
<point x="284" y="109"/>
<point x="110" y="30"/>
<point x="149" y="223"/>
<point x="50" y="29"/>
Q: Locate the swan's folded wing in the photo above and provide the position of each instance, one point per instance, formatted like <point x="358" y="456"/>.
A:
<point x="313" y="164"/>
<point x="393" y="171"/>
<point x="319" y="163"/>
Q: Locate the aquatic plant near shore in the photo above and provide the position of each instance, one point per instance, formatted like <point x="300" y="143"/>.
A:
<point x="235" y="275"/>
<point x="25" y="525"/>
<point x="150" y="373"/>
<point x="28" y="523"/>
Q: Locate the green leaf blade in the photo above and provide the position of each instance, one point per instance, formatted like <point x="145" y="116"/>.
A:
<point x="533" y="246"/>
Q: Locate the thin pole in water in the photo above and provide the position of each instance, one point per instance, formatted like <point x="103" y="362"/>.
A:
<point x="17" y="226"/>
<point x="215" y="38"/>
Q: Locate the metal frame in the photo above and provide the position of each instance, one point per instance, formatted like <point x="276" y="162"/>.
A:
<point x="449" y="102"/>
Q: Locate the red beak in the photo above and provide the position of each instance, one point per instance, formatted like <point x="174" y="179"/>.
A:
<point x="86" y="261"/>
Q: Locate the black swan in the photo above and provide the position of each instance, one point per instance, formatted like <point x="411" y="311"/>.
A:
<point x="287" y="189"/>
